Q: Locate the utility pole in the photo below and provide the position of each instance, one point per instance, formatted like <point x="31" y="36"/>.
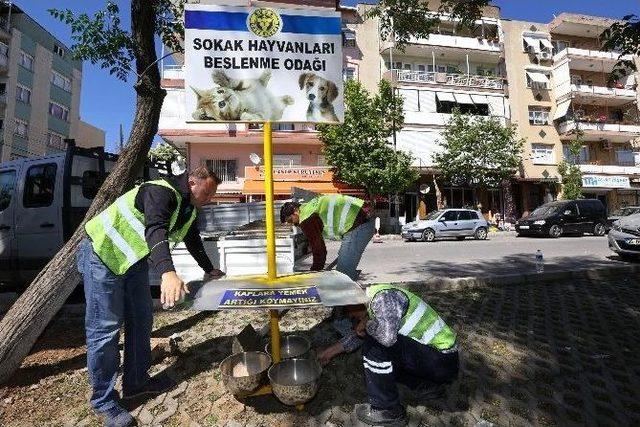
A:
<point x="121" y="142"/>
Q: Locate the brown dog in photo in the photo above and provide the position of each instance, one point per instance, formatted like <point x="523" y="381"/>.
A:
<point x="320" y="93"/>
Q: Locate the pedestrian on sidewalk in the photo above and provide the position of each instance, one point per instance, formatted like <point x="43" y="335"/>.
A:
<point x="123" y="240"/>
<point x="404" y="341"/>
<point x="334" y="217"/>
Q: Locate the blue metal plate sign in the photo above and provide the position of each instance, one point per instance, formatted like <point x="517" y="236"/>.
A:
<point x="270" y="298"/>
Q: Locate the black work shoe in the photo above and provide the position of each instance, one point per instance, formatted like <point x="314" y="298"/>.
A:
<point x="156" y="385"/>
<point x="117" y="417"/>
<point x="382" y="417"/>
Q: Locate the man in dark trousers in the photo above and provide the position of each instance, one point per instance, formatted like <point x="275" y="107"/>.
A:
<point x="404" y="341"/>
<point x="334" y="217"/>
<point x="123" y="240"/>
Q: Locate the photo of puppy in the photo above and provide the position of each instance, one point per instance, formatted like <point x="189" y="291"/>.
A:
<point x="320" y="93"/>
<point x="239" y="100"/>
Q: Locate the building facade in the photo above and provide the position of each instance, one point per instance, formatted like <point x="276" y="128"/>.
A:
<point x="39" y="90"/>
<point x="550" y="80"/>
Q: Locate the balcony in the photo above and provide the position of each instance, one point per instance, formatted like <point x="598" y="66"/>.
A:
<point x="593" y="131"/>
<point x="437" y="119"/>
<point x="589" y="60"/>
<point x="601" y="92"/>
<point x="609" y="169"/>
<point x="459" y="80"/>
<point x="480" y="44"/>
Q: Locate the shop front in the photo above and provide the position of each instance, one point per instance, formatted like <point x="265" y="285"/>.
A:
<point x="614" y="191"/>
<point x="534" y="192"/>
<point x="317" y="179"/>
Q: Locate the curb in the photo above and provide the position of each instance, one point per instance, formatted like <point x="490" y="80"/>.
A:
<point x="461" y="283"/>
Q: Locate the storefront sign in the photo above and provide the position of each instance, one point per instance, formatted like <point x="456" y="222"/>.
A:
<point x="257" y="64"/>
<point x="605" y="181"/>
<point x="292" y="173"/>
<point x="270" y="298"/>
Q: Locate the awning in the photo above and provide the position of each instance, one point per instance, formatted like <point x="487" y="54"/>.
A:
<point x="445" y="96"/>
<point x="479" y="99"/>
<point x="546" y="43"/>
<point x="534" y="43"/>
<point x="463" y="98"/>
<point x="538" y="77"/>
<point x="254" y="187"/>
<point x="562" y="109"/>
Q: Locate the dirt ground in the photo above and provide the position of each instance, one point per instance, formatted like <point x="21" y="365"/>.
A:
<point x="551" y="354"/>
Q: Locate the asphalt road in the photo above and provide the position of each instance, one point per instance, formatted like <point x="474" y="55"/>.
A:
<point x="500" y="254"/>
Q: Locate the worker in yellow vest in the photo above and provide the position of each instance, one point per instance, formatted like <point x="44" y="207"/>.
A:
<point x="335" y="217"/>
<point x="404" y="341"/>
<point x="130" y="235"/>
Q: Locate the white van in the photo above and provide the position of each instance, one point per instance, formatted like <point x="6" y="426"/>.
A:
<point x="42" y="202"/>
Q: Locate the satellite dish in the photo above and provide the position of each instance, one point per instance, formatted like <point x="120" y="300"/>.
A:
<point x="424" y="188"/>
<point x="255" y="159"/>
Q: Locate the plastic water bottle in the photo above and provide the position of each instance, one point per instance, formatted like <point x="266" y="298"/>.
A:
<point x="539" y="262"/>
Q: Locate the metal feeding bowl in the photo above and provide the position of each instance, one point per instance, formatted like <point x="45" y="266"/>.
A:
<point x="243" y="373"/>
<point x="295" y="381"/>
<point x="292" y="346"/>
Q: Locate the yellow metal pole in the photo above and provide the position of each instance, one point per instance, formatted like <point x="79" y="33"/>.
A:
<point x="268" y="191"/>
<point x="272" y="272"/>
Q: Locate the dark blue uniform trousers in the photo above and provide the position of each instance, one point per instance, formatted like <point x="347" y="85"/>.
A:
<point x="407" y="361"/>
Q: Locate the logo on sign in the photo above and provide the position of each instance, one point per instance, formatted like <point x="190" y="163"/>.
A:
<point x="264" y="22"/>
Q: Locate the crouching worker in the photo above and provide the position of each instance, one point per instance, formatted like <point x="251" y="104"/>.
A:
<point x="335" y="217"/>
<point x="124" y="239"/>
<point x="404" y="342"/>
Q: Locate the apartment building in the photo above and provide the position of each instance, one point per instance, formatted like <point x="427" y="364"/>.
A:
<point x="227" y="148"/>
<point x="549" y="79"/>
<point x="39" y="90"/>
<point x="454" y="68"/>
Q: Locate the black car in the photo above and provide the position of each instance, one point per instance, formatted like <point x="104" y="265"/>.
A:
<point x="565" y="217"/>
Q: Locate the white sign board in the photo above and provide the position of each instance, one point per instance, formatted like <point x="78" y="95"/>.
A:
<point x="257" y="64"/>
<point x="605" y="181"/>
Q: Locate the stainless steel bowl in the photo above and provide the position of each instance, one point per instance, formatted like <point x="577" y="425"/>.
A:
<point x="295" y="381"/>
<point x="292" y="346"/>
<point x="256" y="362"/>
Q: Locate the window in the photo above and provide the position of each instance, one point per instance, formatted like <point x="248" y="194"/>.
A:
<point x="61" y="81"/>
<point x="560" y="45"/>
<point x="58" y="50"/>
<point x="55" y="140"/>
<point x="26" y="60"/>
<point x="23" y="94"/>
<point x="224" y="169"/>
<point x="348" y="38"/>
<point x="539" y="115"/>
<point x="583" y="156"/>
<point x="59" y="111"/>
<point x="349" y="73"/>
<point x="625" y="158"/>
<point x="40" y="185"/>
<point x="4" y="50"/>
<point x="467" y="216"/>
<point x="21" y="129"/>
<point x="7" y="185"/>
<point x="538" y="80"/>
<point x="450" y="216"/>
<point x="91" y="183"/>
<point x="322" y="160"/>
<point x="542" y="154"/>
<point x="274" y="126"/>
<point x="287" y="160"/>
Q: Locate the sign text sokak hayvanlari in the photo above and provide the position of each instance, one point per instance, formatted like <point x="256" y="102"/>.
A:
<point x="251" y="62"/>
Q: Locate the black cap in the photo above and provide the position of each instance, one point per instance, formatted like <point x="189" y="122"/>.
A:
<point x="288" y="209"/>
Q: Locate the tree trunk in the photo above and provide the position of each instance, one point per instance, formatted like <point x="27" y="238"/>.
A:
<point x="32" y="312"/>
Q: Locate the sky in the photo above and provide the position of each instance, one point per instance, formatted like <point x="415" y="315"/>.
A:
<point x="107" y="102"/>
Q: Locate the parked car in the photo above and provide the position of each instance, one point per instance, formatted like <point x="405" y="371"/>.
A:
<point x="565" y="217"/>
<point x="621" y="213"/>
<point x="624" y="237"/>
<point x="459" y="223"/>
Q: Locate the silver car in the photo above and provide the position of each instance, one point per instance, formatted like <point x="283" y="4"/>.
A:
<point x="624" y="237"/>
<point x="458" y="223"/>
